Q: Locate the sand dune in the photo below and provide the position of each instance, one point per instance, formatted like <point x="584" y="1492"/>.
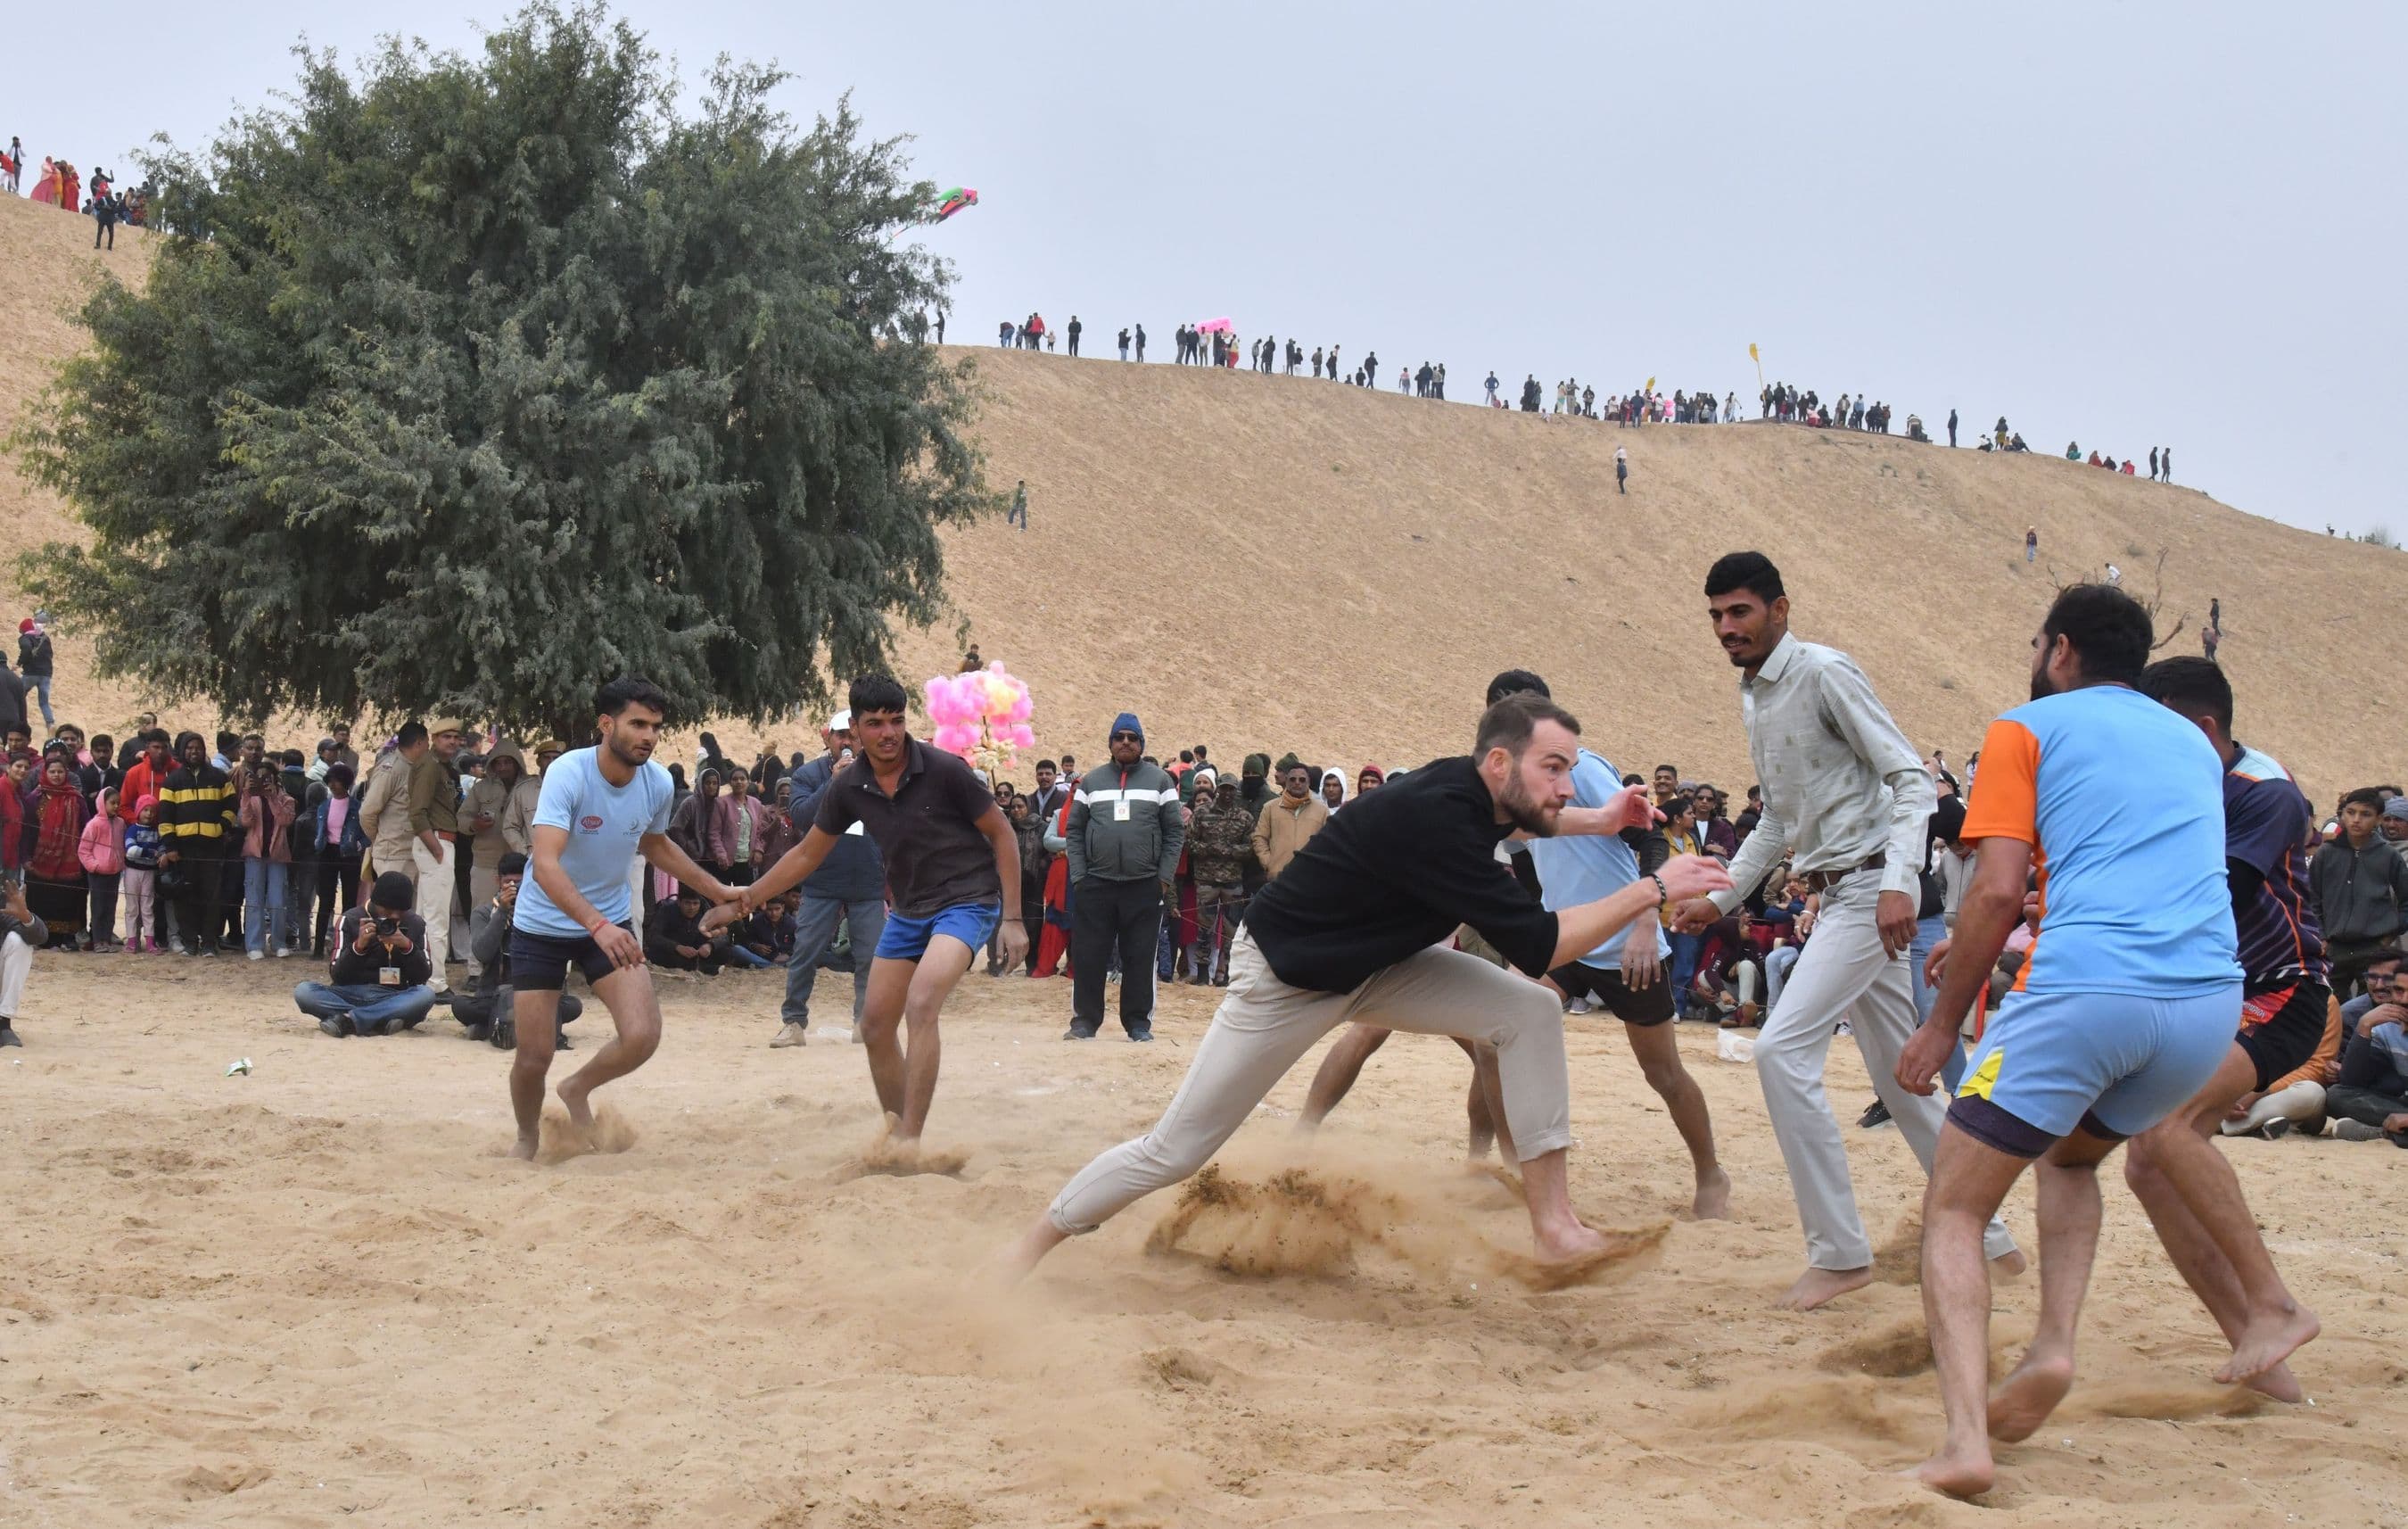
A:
<point x="1274" y="563"/>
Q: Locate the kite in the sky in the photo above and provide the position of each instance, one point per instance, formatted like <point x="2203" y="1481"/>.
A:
<point x="954" y="200"/>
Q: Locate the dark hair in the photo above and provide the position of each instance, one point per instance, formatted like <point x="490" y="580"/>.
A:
<point x="2370" y="796"/>
<point x="1514" y="682"/>
<point x="613" y="698"/>
<point x="1634" y="780"/>
<point x="343" y="771"/>
<point x="412" y="732"/>
<point x="1508" y="725"/>
<point x="101" y="744"/>
<point x="1674" y="769"/>
<point x="228" y="741"/>
<point x="2190" y="686"/>
<point x="513" y="864"/>
<point x="294" y="757"/>
<point x="2108" y="628"/>
<point x="877" y="693"/>
<point x="393" y="890"/>
<point x="1188" y="755"/>
<point x="1048" y="764"/>
<point x="1199" y="752"/>
<point x="1750" y="570"/>
<point x="676" y="777"/>
<point x="158" y="735"/>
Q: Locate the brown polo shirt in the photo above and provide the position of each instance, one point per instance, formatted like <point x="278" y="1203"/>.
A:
<point x="926" y="833"/>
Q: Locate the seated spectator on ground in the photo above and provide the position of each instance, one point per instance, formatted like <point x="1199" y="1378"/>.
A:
<point x="673" y="935"/>
<point x="486" y="1008"/>
<point x="20" y="935"/>
<point x="2298" y="1097"/>
<point x="377" y="981"/>
<point x="2369" y="1096"/>
<point x="753" y="941"/>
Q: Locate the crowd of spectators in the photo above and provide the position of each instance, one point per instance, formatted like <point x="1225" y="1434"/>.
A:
<point x="397" y="867"/>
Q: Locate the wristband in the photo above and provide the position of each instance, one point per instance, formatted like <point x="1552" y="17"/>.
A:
<point x="598" y="925"/>
<point x="1663" y="894"/>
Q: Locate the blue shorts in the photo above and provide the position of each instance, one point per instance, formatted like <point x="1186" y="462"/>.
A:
<point x="2110" y="1064"/>
<point x="906" y="939"/>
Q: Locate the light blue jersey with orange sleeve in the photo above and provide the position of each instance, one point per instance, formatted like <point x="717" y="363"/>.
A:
<point x="2122" y="801"/>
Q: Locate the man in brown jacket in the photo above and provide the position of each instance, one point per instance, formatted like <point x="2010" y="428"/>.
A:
<point x="1287" y="820"/>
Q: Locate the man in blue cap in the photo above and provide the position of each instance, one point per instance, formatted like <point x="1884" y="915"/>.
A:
<point x="1125" y="830"/>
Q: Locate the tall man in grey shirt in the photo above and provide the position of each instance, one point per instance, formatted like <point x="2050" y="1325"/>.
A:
<point x="1847" y="799"/>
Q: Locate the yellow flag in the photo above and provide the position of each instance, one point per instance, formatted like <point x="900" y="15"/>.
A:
<point x="1751" y="351"/>
<point x="1651" y="384"/>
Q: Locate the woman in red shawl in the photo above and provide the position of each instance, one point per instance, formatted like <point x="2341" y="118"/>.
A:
<point x="15" y="791"/>
<point x="55" y="887"/>
<point x="1053" y="940"/>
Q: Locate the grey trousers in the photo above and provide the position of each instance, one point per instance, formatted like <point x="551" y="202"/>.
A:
<point x="1842" y="973"/>
<point x="1264" y="1027"/>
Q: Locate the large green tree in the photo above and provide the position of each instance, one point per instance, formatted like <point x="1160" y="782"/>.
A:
<point x="468" y="382"/>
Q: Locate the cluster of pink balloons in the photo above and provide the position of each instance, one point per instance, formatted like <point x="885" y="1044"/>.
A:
<point x="983" y="715"/>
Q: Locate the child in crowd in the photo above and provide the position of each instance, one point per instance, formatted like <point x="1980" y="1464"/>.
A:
<point x="102" y="851"/>
<point x="141" y="883"/>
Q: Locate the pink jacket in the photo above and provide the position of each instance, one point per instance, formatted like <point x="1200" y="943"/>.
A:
<point x="719" y="839"/>
<point x="266" y="815"/>
<point x="102" y="848"/>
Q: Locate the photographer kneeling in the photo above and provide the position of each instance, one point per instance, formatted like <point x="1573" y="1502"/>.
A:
<point x="380" y="969"/>
<point x="487" y="1012"/>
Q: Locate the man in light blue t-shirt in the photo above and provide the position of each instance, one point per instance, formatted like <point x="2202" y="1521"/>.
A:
<point x="598" y="809"/>
<point x="1625" y="975"/>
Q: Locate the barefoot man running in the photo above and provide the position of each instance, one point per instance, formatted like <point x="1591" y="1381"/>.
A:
<point x="952" y="869"/>
<point x="2124" y="1010"/>
<point x="1348" y="930"/>
<point x="2174" y="1168"/>
<point x="1845" y="792"/>
<point x="1581" y="863"/>
<point x="599" y="808"/>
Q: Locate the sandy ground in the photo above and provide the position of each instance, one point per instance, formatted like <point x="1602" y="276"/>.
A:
<point x="318" y="1294"/>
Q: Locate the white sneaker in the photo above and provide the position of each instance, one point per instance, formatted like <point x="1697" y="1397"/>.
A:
<point x="792" y="1034"/>
<point x="259" y="955"/>
<point x="1581" y="1005"/>
<point x="283" y="952"/>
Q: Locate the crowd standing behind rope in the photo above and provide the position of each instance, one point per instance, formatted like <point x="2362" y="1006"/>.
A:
<point x="180" y="845"/>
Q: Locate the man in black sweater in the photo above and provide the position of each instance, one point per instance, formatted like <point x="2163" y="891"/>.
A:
<point x="1350" y="930"/>
<point x="377" y="981"/>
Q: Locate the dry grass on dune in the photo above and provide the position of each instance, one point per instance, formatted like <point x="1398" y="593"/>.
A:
<point x="1278" y="563"/>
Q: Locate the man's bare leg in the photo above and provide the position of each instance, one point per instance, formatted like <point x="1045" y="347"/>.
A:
<point x="635" y="1021"/>
<point x="2194" y="1199"/>
<point x="940" y="971"/>
<point x="1340" y="1067"/>
<point x="1968" y="1182"/>
<point x="533" y="1013"/>
<point x="1658" y="1051"/>
<point x="1489" y="1088"/>
<point x="881" y="1016"/>
<point x="2067" y="1178"/>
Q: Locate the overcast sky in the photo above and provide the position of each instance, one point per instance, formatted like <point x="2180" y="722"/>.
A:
<point x="2130" y="225"/>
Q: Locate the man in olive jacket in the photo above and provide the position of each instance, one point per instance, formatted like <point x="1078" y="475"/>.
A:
<point x="1124" y="841"/>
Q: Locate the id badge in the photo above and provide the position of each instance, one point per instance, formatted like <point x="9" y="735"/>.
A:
<point x="389" y="977"/>
<point x="1120" y="811"/>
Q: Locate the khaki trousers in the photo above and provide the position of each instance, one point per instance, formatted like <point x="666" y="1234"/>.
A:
<point x="1264" y="1027"/>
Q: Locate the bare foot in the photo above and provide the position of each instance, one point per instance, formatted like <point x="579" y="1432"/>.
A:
<point x="2010" y="1263"/>
<point x="2280" y="1384"/>
<point x="1008" y="1267"/>
<point x="2267" y="1342"/>
<point x="2027" y="1395"/>
<point x="1712" y="1203"/>
<point x="525" y="1149"/>
<point x="572" y="1098"/>
<point x="1575" y="1243"/>
<point x="1818" y="1286"/>
<point x="1958" y="1476"/>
